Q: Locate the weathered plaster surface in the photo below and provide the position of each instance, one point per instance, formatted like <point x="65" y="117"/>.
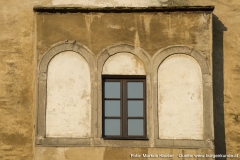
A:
<point x="180" y="98"/>
<point x="68" y="111"/>
<point x="124" y="64"/>
<point x="148" y="31"/>
<point x="17" y="80"/>
<point x="18" y="67"/>
<point x="227" y="74"/>
<point x="102" y="3"/>
<point x="112" y="153"/>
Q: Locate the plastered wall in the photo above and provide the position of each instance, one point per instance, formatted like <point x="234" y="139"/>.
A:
<point x="180" y="98"/>
<point x="124" y="64"/>
<point x="18" y="76"/>
<point x="113" y="153"/>
<point x="16" y="80"/>
<point x="147" y="34"/>
<point x="142" y="30"/>
<point x="68" y="110"/>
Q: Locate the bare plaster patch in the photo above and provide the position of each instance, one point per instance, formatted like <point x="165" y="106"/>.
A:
<point x="124" y="64"/>
<point x="180" y="98"/>
<point x="68" y="96"/>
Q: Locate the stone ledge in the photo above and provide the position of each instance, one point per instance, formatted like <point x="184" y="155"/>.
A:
<point x="72" y="9"/>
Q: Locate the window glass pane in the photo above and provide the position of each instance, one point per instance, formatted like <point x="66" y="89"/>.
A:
<point x="135" y="127"/>
<point x="112" y="107"/>
<point x="135" y="108"/>
<point x="112" y="127"/>
<point x="135" y="89"/>
<point x="112" y="90"/>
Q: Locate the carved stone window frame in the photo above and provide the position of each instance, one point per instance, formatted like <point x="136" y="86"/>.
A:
<point x="41" y="138"/>
<point x="208" y="137"/>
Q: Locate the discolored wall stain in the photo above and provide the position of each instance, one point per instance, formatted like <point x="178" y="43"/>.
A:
<point x="237" y="69"/>
<point x="14" y="139"/>
<point x="163" y="29"/>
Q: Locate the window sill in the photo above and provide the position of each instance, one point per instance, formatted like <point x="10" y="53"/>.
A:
<point x="125" y="138"/>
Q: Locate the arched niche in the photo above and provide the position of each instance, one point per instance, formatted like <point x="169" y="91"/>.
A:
<point x="180" y="98"/>
<point x="123" y="63"/>
<point x="65" y="95"/>
<point x="178" y="72"/>
<point x="124" y="60"/>
<point x="68" y="96"/>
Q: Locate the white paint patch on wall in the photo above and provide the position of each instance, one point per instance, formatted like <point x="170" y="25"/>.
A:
<point x="180" y="98"/>
<point x="68" y="96"/>
<point x="112" y="3"/>
<point x="124" y="64"/>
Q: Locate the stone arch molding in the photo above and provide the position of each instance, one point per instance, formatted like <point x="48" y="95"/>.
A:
<point x="83" y="55"/>
<point x="162" y="54"/>
<point x="151" y="65"/>
<point x="61" y="47"/>
<point x="145" y="59"/>
<point x="123" y="48"/>
<point x="207" y="138"/>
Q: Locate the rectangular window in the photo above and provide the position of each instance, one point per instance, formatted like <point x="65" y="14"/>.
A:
<point x="124" y="107"/>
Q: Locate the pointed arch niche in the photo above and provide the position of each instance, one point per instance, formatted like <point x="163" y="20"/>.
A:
<point x="183" y="99"/>
<point x="65" y="96"/>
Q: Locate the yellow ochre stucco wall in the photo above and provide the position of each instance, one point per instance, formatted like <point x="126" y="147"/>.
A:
<point x="18" y="65"/>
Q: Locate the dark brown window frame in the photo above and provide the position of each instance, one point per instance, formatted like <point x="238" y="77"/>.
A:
<point x="123" y="79"/>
